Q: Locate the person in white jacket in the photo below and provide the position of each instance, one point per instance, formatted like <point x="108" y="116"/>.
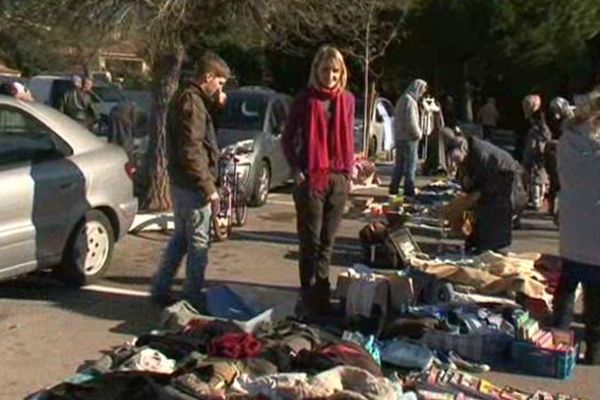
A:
<point x="579" y="174"/>
<point x="407" y="133"/>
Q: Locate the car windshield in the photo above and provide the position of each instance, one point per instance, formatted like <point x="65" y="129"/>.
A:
<point x="244" y="112"/>
<point x="108" y="94"/>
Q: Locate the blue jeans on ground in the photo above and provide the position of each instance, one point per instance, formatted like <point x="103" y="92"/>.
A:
<point x="406" y="167"/>
<point x="572" y="274"/>
<point x="192" y="213"/>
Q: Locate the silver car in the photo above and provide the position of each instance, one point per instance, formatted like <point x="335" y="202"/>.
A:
<point x="251" y="126"/>
<point x="67" y="195"/>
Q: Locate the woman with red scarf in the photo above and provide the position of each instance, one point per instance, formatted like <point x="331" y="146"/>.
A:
<point x="319" y="145"/>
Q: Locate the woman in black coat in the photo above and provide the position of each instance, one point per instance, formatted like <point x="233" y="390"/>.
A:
<point x="497" y="176"/>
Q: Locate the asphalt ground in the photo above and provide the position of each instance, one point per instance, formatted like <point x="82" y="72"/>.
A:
<point x="49" y="331"/>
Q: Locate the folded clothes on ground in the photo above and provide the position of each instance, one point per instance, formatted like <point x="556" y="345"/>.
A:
<point x="492" y="274"/>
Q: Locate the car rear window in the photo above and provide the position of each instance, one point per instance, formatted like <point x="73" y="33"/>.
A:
<point x="243" y="112"/>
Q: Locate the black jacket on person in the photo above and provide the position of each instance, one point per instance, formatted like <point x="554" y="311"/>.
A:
<point x="122" y="122"/>
<point x="78" y="105"/>
<point x="192" y="150"/>
<point x="494" y="173"/>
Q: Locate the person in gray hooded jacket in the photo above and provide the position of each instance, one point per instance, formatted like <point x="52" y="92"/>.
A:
<point x="407" y="132"/>
<point x="579" y="173"/>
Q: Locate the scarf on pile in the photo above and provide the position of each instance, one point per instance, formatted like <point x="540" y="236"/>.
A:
<point x="330" y="142"/>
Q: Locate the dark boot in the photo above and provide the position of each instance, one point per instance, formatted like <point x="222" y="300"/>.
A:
<point x="591" y="316"/>
<point x="592" y="353"/>
<point x="321" y="299"/>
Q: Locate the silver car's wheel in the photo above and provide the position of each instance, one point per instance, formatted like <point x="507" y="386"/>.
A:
<point x="89" y="250"/>
<point x="263" y="183"/>
<point x="91" y="247"/>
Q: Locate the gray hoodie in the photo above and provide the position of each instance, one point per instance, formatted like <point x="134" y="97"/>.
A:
<point x="579" y="172"/>
<point x="408" y="123"/>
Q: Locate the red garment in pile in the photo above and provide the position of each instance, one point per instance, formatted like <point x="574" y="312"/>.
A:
<point x="235" y="346"/>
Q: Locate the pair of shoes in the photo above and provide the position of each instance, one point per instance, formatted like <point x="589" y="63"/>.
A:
<point x="465" y="365"/>
<point x="592" y="354"/>
<point x="442" y="359"/>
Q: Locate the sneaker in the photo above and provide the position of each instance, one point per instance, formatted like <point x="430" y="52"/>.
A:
<point x="468" y="366"/>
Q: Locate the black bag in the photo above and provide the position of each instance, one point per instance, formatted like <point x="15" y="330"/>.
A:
<point x="385" y="248"/>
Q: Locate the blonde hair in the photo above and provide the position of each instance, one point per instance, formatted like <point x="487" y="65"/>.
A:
<point x="326" y="53"/>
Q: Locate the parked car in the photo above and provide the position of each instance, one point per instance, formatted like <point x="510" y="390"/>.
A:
<point x="67" y="195"/>
<point x="382" y="118"/>
<point x="251" y="126"/>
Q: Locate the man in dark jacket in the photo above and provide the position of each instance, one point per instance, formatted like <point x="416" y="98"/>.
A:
<point x="122" y="122"/>
<point x="77" y="102"/>
<point x="496" y="175"/>
<point x="192" y="154"/>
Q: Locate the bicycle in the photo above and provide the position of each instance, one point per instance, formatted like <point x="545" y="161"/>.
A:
<point x="233" y="209"/>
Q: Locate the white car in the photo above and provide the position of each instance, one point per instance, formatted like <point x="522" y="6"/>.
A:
<point x="67" y="195"/>
<point x="381" y="135"/>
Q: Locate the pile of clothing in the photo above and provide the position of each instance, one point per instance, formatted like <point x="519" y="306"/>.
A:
<point x="199" y="358"/>
<point x="194" y="357"/>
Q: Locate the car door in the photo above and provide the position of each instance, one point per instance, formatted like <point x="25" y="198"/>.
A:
<point x="280" y="168"/>
<point x="17" y="233"/>
<point x="43" y="190"/>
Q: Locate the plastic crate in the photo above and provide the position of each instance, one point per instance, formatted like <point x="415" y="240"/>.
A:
<point x="544" y="362"/>
<point x="248" y="306"/>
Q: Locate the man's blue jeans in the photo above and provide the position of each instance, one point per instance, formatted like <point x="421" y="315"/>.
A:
<point x="192" y="214"/>
<point x="406" y="166"/>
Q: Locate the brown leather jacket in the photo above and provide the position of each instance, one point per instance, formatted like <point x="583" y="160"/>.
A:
<point x="192" y="150"/>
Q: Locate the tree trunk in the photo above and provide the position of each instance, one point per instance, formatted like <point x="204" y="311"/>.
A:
<point x="167" y="71"/>
<point x="367" y="119"/>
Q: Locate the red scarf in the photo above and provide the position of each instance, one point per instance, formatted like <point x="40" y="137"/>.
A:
<point x="330" y="142"/>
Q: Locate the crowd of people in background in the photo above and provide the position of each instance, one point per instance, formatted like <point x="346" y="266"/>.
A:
<point x="559" y="168"/>
<point x="559" y="165"/>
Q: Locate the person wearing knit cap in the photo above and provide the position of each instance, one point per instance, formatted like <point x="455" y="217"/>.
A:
<point x="407" y="134"/>
<point x="496" y="175"/>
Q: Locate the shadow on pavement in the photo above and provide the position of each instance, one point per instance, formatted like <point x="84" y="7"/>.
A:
<point x="280" y="237"/>
<point x="133" y="313"/>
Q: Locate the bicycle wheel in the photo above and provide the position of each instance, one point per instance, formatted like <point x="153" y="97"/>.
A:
<point x="240" y="208"/>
